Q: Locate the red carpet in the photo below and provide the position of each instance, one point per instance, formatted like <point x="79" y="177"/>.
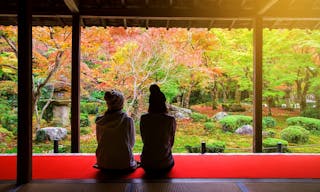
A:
<point x="186" y="166"/>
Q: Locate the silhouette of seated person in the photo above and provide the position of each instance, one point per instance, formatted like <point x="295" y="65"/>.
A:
<point x="116" y="137"/>
<point x="157" y="130"/>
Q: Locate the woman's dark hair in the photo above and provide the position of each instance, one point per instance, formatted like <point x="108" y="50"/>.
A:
<point x="157" y="100"/>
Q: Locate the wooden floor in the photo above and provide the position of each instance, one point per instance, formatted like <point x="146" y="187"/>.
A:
<point x="172" y="185"/>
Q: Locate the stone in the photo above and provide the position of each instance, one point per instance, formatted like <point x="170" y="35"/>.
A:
<point x="220" y="115"/>
<point x="51" y="133"/>
<point x="179" y="112"/>
<point x="245" y="130"/>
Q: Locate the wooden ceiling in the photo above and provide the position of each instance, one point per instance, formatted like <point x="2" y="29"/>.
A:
<point x="229" y="14"/>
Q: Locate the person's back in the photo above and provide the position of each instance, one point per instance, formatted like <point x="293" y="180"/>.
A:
<point x="157" y="132"/>
<point x="115" y="136"/>
<point x="115" y="141"/>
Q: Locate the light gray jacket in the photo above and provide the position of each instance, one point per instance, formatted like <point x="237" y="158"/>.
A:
<point x="116" y="138"/>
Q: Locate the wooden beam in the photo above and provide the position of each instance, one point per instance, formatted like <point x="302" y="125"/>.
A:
<point x="73" y="5"/>
<point x="24" y="149"/>
<point x="171" y="12"/>
<point x="257" y="84"/>
<point x="147" y="24"/>
<point x="168" y="24"/>
<point x="125" y="23"/>
<point x="267" y="6"/>
<point x="210" y="25"/>
<point x="232" y="24"/>
<point x="75" y="85"/>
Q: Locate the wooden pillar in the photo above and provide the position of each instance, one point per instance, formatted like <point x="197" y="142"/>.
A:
<point x="257" y="84"/>
<point x="75" y="81"/>
<point x="24" y="153"/>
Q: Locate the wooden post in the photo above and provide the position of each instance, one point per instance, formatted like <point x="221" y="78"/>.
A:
<point x="24" y="149"/>
<point x="75" y="81"/>
<point x="257" y="84"/>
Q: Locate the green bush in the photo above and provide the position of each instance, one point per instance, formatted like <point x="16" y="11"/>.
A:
<point x="216" y="147"/>
<point x="209" y="126"/>
<point x="198" y="117"/>
<point x="213" y="147"/>
<point x="85" y="130"/>
<point x="295" y="134"/>
<point x="41" y="136"/>
<point x="5" y="134"/>
<point x="269" y="122"/>
<point x="270" y="133"/>
<point x="270" y="145"/>
<point x="232" y="122"/>
<point x="310" y="124"/>
<point x="311" y="113"/>
<point x="89" y="108"/>
<point x="84" y="120"/>
<point x="9" y="121"/>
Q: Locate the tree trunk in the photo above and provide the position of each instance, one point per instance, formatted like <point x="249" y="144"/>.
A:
<point x="270" y="103"/>
<point x="214" y="94"/>
<point x="237" y="95"/>
<point x="186" y="100"/>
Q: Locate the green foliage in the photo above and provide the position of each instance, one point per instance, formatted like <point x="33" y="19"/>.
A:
<point x="311" y="113"/>
<point x="84" y="120"/>
<point x="85" y="130"/>
<point x="209" y="126"/>
<point x="295" y="134"/>
<point x="213" y="147"/>
<point x="270" y="133"/>
<point x="41" y="136"/>
<point x="271" y="145"/>
<point x="97" y="94"/>
<point x="232" y="122"/>
<point x="10" y="121"/>
<point x="89" y="108"/>
<point x="198" y="117"/>
<point x="269" y="122"/>
<point x="5" y="134"/>
<point x="170" y="89"/>
<point x="310" y="124"/>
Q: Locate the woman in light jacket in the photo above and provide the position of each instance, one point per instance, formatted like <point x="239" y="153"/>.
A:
<point x="157" y="131"/>
<point x="115" y="135"/>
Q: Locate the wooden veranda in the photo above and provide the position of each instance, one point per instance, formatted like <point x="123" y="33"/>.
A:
<point x="252" y="14"/>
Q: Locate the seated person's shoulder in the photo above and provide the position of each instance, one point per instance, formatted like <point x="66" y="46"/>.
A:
<point x="99" y="117"/>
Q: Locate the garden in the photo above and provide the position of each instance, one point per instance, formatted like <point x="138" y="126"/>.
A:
<point x="206" y="76"/>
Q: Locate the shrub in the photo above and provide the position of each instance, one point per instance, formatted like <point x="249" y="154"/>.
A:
<point x="295" y="134"/>
<point x="310" y="124"/>
<point x="232" y="122"/>
<point x="270" y="133"/>
<point x="213" y="147"/>
<point x="9" y="121"/>
<point x="270" y="145"/>
<point x="89" y="108"/>
<point x="311" y="113"/>
<point x="216" y="147"/>
<point x="84" y="120"/>
<point x="198" y="117"/>
<point x="269" y="122"/>
<point x="209" y="126"/>
<point x="5" y="134"/>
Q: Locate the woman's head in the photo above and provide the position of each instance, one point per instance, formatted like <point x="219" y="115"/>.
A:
<point x="157" y="100"/>
<point x="114" y="99"/>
